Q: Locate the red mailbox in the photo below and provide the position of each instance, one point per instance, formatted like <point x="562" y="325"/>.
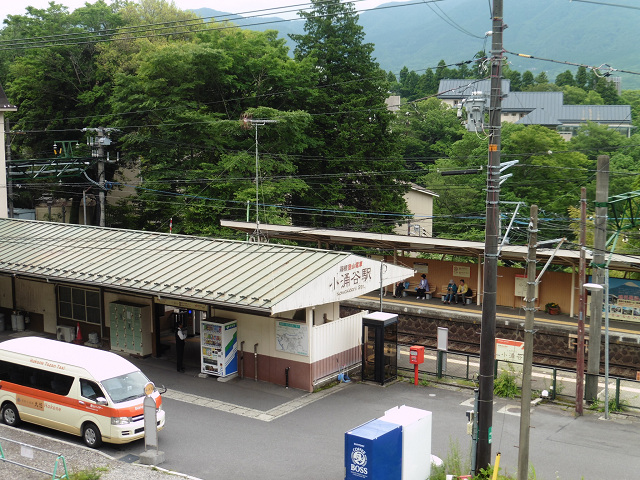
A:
<point x="416" y="355"/>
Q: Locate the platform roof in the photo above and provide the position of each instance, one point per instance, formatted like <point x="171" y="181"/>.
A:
<point x="264" y="277"/>
<point x="435" y="245"/>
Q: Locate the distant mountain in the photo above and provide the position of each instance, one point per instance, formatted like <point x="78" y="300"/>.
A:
<point x="418" y="36"/>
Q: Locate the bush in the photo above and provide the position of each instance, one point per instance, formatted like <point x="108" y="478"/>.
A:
<point x="506" y="385"/>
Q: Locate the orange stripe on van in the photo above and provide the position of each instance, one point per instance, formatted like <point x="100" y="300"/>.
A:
<point x="30" y="396"/>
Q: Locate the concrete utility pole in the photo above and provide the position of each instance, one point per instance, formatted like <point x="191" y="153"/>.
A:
<point x="599" y="246"/>
<point x="101" y="195"/>
<point x="583" y="304"/>
<point x="525" y="408"/>
<point x="488" y="332"/>
<point x="97" y="145"/>
<point x="8" y="160"/>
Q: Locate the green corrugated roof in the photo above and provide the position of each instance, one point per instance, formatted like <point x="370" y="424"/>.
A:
<point x="256" y="276"/>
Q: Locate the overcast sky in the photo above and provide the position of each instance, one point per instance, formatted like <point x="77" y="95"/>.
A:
<point x="9" y="7"/>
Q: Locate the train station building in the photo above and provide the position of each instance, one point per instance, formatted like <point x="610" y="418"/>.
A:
<point x="124" y="289"/>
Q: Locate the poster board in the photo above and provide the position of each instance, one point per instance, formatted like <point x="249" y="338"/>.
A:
<point x="521" y="286"/>
<point x="461" y="271"/>
<point x="292" y="337"/>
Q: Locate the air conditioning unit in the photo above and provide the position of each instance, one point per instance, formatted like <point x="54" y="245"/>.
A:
<point x="66" y="333"/>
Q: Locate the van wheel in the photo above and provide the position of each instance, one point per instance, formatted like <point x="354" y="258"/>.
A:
<point x="10" y="415"/>
<point x="91" y="436"/>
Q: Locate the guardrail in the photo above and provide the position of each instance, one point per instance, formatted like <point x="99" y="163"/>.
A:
<point x="624" y="393"/>
<point x="18" y="450"/>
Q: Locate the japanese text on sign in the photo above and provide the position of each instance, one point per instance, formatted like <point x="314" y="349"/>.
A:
<point x="351" y="277"/>
<point x="509" y="350"/>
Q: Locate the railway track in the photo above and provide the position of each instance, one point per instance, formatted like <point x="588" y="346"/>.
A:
<point x="562" y="361"/>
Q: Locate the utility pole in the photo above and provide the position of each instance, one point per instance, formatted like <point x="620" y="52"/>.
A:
<point x="248" y="122"/>
<point x="599" y="245"/>
<point x="7" y="129"/>
<point x="101" y="196"/>
<point x="525" y="399"/>
<point x="583" y="303"/>
<point x="488" y="331"/>
<point x="97" y="145"/>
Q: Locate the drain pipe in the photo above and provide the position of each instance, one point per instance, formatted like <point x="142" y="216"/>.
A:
<point x="255" y="361"/>
<point x="241" y="362"/>
<point x="286" y="377"/>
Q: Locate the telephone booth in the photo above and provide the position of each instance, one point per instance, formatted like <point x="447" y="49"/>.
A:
<point x="379" y="347"/>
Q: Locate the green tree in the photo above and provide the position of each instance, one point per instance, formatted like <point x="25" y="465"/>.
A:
<point x="541" y="78"/>
<point x="353" y="163"/>
<point x="460" y="206"/>
<point x="48" y="84"/>
<point x="426" y="130"/>
<point x="573" y="95"/>
<point x="607" y="91"/>
<point x="409" y="86"/>
<point x="527" y="80"/>
<point x="181" y="108"/>
<point x="593" y="98"/>
<point x="548" y="174"/>
<point x="593" y="139"/>
<point x="565" y="78"/>
<point x="442" y="71"/>
<point x="427" y="85"/>
<point x="581" y="77"/>
<point x="515" y="79"/>
<point x="632" y="97"/>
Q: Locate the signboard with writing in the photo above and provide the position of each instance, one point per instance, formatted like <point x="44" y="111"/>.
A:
<point x="509" y="350"/>
<point x="351" y="277"/>
<point x="29" y="402"/>
<point x="460" y="271"/>
<point x="624" y="300"/>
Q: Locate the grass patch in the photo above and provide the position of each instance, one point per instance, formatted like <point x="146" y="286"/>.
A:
<point x="93" y="474"/>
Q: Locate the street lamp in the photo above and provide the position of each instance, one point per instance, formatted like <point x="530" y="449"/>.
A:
<point x="593" y="287"/>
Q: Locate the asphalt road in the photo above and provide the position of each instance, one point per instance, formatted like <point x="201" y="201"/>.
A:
<point x="308" y="441"/>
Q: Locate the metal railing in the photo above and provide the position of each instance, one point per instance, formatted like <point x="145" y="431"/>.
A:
<point x="558" y="382"/>
<point x="33" y="458"/>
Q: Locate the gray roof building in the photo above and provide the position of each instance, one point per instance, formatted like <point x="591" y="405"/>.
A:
<point x="539" y="108"/>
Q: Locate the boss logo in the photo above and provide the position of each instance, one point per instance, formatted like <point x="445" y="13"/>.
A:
<point x="359" y="461"/>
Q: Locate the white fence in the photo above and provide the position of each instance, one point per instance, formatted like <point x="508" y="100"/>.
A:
<point x="336" y="344"/>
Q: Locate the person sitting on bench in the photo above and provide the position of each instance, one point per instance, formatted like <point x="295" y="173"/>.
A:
<point x="452" y="288"/>
<point x="463" y="292"/>
<point x="423" y="287"/>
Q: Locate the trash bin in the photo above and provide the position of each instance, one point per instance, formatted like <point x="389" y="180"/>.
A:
<point x="19" y="323"/>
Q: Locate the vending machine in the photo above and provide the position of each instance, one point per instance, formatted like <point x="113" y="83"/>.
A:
<point x="219" y="345"/>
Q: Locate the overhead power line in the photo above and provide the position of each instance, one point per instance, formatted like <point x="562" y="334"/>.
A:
<point x="606" y="68"/>
<point x="607" y="4"/>
<point x="162" y="29"/>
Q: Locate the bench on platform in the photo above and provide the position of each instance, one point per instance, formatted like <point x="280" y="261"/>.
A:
<point x="468" y="299"/>
<point x="411" y="289"/>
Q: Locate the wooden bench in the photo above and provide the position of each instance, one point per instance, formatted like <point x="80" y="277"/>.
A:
<point x="410" y="289"/>
<point x="468" y="300"/>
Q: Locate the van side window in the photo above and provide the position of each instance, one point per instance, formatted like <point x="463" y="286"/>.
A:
<point x="35" y="378"/>
<point x="90" y="390"/>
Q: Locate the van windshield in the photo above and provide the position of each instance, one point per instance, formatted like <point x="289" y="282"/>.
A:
<point x="126" y="387"/>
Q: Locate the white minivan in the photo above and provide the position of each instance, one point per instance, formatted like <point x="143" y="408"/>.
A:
<point x="80" y="390"/>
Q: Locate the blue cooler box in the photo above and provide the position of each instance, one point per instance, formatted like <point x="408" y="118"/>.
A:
<point x="373" y="451"/>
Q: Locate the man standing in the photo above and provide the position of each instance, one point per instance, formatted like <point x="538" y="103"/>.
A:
<point x="181" y="335"/>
